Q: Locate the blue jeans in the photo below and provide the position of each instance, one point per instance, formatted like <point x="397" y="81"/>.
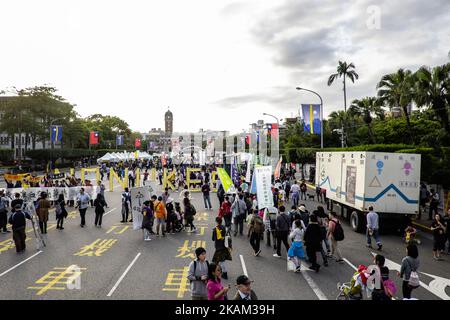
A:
<point x="375" y="235"/>
<point x="207" y="201"/>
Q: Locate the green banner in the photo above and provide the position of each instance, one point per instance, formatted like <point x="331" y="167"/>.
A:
<point x="226" y="180"/>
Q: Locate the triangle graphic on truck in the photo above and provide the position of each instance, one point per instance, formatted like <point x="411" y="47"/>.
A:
<point x="375" y="183"/>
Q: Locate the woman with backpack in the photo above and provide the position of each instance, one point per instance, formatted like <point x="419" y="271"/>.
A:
<point x="408" y="271"/>
<point x="255" y="232"/>
<point x="61" y="212"/>
<point x="222" y="252"/>
<point x="335" y="233"/>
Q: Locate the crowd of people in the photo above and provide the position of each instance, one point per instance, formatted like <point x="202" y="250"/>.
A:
<point x="304" y="234"/>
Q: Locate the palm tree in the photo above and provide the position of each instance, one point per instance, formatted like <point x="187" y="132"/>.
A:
<point x="433" y="90"/>
<point x="365" y="108"/>
<point x="396" y="90"/>
<point x="344" y="70"/>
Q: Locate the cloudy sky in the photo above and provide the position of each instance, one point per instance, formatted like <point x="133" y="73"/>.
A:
<point x="218" y="64"/>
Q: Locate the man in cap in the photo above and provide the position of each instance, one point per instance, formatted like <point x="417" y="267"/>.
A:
<point x="18" y="222"/>
<point x="244" y="290"/>
<point x="304" y="215"/>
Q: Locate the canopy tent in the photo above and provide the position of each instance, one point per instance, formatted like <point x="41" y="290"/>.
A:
<point x="123" y="156"/>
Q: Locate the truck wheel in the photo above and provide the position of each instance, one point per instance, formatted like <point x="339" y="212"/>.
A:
<point x="356" y="221"/>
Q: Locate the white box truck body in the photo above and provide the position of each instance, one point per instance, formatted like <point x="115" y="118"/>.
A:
<point x="389" y="182"/>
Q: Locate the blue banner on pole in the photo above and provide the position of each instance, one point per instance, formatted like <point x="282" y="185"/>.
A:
<point x="311" y="118"/>
<point x="56" y="135"/>
<point x="119" y="140"/>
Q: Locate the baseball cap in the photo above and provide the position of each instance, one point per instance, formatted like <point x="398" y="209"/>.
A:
<point x="243" y="279"/>
<point x="302" y="209"/>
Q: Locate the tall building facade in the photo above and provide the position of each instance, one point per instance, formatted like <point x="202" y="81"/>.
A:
<point x="168" y="120"/>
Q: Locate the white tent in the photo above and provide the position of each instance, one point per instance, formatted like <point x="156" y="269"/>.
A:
<point x="106" y="157"/>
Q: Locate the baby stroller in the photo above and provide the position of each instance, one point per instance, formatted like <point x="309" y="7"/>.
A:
<point x="178" y="224"/>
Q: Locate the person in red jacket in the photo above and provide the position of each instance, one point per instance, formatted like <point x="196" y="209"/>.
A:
<point x="225" y="212"/>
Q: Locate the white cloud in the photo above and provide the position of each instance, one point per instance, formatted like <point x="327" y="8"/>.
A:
<point x="217" y="66"/>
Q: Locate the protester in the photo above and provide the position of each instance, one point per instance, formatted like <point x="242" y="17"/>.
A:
<point x="447" y="229"/>
<point x="18" y="222"/>
<point x="82" y="204"/>
<point x="313" y="242"/>
<point x="282" y="227"/>
<point x="296" y="252"/>
<point x="171" y="216"/>
<point x="161" y="216"/>
<point x="255" y="232"/>
<point x="206" y="197"/>
<point x="99" y="204"/>
<point x="147" y="220"/>
<point x="439" y="230"/>
<point x="198" y="275"/>
<point x="303" y="190"/>
<point x="222" y="253"/>
<point x="409" y="271"/>
<point x="372" y="228"/>
<point x="225" y="213"/>
<point x="216" y="291"/>
<point x="4" y="204"/>
<point x="61" y="212"/>
<point x="189" y="213"/>
<point x="126" y="205"/>
<point x="434" y="204"/>
<point x="304" y="215"/>
<point x="16" y="201"/>
<point x="244" y="290"/>
<point x="239" y="208"/>
<point x="332" y="227"/>
<point x="42" y="212"/>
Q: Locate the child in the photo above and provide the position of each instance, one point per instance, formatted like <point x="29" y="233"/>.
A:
<point x="296" y="251"/>
<point x="410" y="235"/>
<point x="357" y="283"/>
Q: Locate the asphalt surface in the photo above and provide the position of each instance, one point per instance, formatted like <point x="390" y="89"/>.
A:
<point x="134" y="269"/>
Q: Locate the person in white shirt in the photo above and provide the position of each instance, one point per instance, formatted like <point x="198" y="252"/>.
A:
<point x="82" y="204"/>
<point x="296" y="251"/>
<point x="295" y="191"/>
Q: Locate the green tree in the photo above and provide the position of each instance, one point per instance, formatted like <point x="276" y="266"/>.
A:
<point x="396" y="90"/>
<point x="365" y="109"/>
<point x="433" y="90"/>
<point x="346" y="71"/>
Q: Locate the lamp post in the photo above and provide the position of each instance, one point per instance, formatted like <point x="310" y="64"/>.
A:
<point x="321" y="114"/>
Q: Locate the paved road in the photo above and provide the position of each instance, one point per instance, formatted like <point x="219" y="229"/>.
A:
<point x="129" y="268"/>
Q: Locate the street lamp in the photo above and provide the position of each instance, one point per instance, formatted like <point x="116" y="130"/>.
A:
<point x="321" y="114"/>
<point x="278" y="122"/>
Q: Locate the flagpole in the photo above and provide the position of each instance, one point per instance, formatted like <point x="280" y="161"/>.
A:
<point x="321" y="114"/>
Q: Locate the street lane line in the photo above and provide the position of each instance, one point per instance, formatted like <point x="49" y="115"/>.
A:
<point x="244" y="268"/>
<point x="319" y="293"/>
<point x="123" y="276"/>
<point x="350" y="264"/>
<point x="12" y="268"/>
<point x="109" y="211"/>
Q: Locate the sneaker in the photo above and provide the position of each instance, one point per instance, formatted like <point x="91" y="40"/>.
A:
<point x="147" y="239"/>
<point x="325" y="263"/>
<point x="257" y="253"/>
<point x="297" y="269"/>
<point x="380" y="246"/>
<point x="81" y="225"/>
<point x="339" y="260"/>
<point x="312" y="268"/>
<point x="61" y="228"/>
<point x="276" y="255"/>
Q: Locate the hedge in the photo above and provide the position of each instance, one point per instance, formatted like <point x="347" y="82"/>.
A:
<point x="6" y="155"/>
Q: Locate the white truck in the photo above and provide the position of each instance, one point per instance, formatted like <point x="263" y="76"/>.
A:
<point x="389" y="182"/>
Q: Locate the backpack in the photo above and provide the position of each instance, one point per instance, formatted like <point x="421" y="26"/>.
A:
<point x="195" y="266"/>
<point x="193" y="211"/>
<point x="389" y="287"/>
<point x="2" y="205"/>
<point x="58" y="209"/>
<point x="338" y="233"/>
<point x="414" y="281"/>
<point x="258" y="225"/>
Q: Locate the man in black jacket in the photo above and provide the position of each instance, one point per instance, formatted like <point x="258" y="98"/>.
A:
<point x="282" y="231"/>
<point x="313" y="242"/>
<point x="18" y="222"/>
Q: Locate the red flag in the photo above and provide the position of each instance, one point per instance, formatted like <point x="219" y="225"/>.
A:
<point x="93" y="137"/>
<point x="247" y="139"/>
<point x="274" y="130"/>
<point x="137" y="143"/>
<point x="278" y="169"/>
